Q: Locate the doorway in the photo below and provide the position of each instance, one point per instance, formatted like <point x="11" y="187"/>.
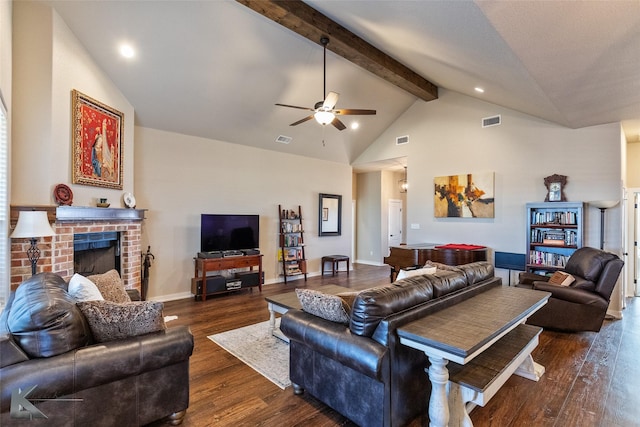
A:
<point x="636" y="239"/>
<point x="631" y="240"/>
<point x="395" y="222"/>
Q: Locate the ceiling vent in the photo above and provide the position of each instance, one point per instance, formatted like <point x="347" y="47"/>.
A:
<point x="401" y="140"/>
<point x="284" y="139"/>
<point x="491" y="121"/>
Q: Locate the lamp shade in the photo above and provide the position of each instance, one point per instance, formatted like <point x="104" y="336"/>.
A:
<point x="604" y="204"/>
<point x="32" y="224"/>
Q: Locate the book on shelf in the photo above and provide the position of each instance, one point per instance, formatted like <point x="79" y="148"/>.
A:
<point x="547" y="258"/>
<point x="556" y="242"/>
<point x="553" y="218"/>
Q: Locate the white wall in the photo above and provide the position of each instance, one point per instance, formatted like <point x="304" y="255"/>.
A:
<point x="179" y="177"/>
<point x="6" y="27"/>
<point x="49" y="62"/>
<point x="446" y="139"/>
<point x="633" y="164"/>
<point x="369" y="218"/>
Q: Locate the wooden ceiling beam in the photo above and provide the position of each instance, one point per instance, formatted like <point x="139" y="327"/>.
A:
<point x="308" y="22"/>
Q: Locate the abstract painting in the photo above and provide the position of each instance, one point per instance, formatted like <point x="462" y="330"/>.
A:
<point x="464" y="196"/>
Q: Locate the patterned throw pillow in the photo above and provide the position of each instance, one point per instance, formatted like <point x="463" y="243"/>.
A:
<point x="112" y="321"/>
<point x="110" y="286"/>
<point x="417" y="272"/>
<point x="329" y="307"/>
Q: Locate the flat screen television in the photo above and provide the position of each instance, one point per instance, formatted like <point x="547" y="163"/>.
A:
<point x="219" y="232"/>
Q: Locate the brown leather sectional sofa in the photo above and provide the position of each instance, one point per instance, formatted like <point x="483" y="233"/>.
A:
<point x="361" y="370"/>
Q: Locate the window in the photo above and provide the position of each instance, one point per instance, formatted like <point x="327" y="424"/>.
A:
<point x="4" y="205"/>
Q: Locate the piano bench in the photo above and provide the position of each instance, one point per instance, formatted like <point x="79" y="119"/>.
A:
<point x="334" y="260"/>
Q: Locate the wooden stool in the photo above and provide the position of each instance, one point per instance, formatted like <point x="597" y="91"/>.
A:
<point x="334" y="260"/>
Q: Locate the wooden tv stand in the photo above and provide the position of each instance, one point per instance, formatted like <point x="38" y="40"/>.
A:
<point x="204" y="265"/>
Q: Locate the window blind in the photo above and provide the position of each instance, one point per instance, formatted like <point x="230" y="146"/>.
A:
<point x="4" y="205"/>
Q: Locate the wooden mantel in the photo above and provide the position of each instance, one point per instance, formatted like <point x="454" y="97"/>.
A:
<point x="79" y="213"/>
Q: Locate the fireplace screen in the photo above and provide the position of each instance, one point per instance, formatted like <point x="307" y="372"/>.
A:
<point x="96" y="253"/>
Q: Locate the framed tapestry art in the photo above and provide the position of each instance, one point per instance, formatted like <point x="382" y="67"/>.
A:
<point x="464" y="196"/>
<point x="97" y="142"/>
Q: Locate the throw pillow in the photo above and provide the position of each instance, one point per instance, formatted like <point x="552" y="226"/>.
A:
<point x="110" y="286"/>
<point x="441" y="266"/>
<point x="83" y="289"/>
<point x="329" y="307"/>
<point x="561" y="278"/>
<point x="417" y="272"/>
<point x="111" y="321"/>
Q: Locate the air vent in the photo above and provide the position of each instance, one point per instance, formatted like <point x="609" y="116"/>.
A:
<point x="284" y="139"/>
<point x="401" y="140"/>
<point x="491" y="121"/>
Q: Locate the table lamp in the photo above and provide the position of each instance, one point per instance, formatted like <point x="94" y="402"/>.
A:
<point x="31" y="225"/>
<point x="603" y="205"/>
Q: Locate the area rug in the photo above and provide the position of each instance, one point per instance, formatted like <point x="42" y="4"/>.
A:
<point x="263" y="352"/>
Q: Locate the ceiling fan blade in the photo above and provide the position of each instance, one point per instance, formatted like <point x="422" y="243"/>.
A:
<point x="338" y="124"/>
<point x="354" y="112"/>
<point x="330" y="101"/>
<point x="302" y="120"/>
<point x="295" y="106"/>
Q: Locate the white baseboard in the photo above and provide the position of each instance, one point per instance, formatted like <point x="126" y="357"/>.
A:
<point x="172" y="297"/>
<point x="183" y="295"/>
<point x="614" y="314"/>
<point x="377" y="264"/>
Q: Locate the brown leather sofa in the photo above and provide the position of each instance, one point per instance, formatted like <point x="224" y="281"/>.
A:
<point x="360" y="369"/>
<point x="583" y="304"/>
<point x="125" y="382"/>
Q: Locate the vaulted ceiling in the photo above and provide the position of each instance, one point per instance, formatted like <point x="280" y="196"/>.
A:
<point x="215" y="69"/>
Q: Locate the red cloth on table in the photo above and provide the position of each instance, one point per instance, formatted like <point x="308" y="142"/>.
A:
<point x="460" y="246"/>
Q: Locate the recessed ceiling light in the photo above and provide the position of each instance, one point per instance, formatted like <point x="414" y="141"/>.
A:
<point x="479" y="90"/>
<point x="355" y="125"/>
<point x="127" y="51"/>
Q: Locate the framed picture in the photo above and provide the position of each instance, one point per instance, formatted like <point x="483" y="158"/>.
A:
<point x="464" y="196"/>
<point x="97" y="142"/>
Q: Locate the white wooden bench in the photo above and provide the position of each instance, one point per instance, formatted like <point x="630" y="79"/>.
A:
<point x="480" y="379"/>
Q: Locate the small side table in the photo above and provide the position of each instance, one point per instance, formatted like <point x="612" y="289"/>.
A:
<point x="334" y="260"/>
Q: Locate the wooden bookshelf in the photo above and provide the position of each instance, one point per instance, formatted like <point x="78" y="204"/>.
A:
<point x="554" y="231"/>
<point x="291" y="242"/>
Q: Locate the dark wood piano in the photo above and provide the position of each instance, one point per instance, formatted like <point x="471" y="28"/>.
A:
<point x="417" y="255"/>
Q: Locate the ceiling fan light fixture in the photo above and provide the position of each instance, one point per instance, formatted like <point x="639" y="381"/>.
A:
<point x="324" y="117"/>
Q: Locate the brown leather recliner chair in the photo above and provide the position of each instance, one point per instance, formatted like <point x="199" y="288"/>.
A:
<point x="583" y="304"/>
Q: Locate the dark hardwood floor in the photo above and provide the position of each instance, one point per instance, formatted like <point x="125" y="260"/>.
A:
<point x="590" y="380"/>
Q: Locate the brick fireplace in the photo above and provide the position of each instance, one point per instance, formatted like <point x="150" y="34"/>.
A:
<point x="57" y="252"/>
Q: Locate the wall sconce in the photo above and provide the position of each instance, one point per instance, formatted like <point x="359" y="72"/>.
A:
<point x="31" y="225"/>
<point x="403" y="184"/>
<point x="603" y="205"/>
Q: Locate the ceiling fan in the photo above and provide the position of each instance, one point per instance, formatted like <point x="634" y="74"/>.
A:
<point x="324" y="111"/>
